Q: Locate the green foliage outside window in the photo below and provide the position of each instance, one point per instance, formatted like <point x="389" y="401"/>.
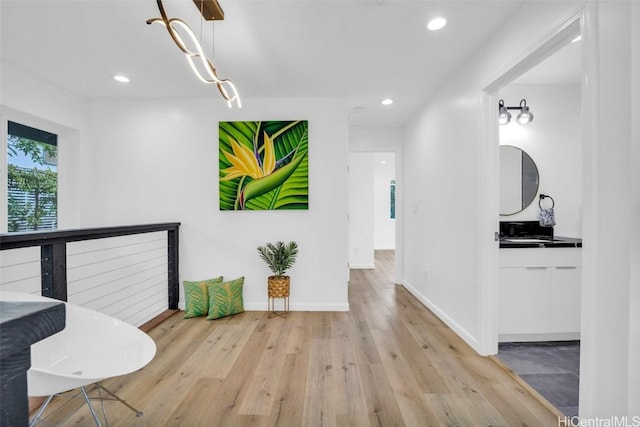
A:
<point x="392" y="199"/>
<point x="37" y="185"/>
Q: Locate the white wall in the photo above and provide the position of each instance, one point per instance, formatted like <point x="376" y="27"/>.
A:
<point x="376" y="140"/>
<point x="440" y="230"/>
<point x="34" y="102"/>
<point x="634" y="298"/>
<point x="150" y="161"/>
<point x="384" y="226"/>
<point x="23" y="92"/>
<point x="361" y="208"/>
<point x="554" y="141"/>
<point x="157" y="161"/>
<point x="29" y="100"/>
<point x="609" y="325"/>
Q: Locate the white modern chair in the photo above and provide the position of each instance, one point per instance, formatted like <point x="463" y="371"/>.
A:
<point x="91" y="348"/>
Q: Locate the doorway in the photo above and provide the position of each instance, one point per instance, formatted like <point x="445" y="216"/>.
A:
<point x="532" y="337"/>
<point x="372" y="206"/>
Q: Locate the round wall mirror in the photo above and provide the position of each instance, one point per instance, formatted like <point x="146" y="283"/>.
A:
<point x="519" y="180"/>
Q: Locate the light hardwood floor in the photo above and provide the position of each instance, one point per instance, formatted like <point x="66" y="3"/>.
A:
<point x="387" y="362"/>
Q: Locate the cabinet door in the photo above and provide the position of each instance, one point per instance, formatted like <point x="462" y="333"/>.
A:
<point x="524" y="300"/>
<point x="565" y="299"/>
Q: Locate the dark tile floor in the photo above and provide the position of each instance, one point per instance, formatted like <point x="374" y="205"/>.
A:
<point x="552" y="368"/>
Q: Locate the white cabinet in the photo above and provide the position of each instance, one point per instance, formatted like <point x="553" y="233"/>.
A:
<point x="564" y="299"/>
<point x="524" y="300"/>
<point x="539" y="294"/>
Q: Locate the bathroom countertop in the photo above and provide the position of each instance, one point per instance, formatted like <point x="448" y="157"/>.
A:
<point x="541" y="242"/>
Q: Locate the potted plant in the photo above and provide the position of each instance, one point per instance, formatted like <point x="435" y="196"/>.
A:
<point x="279" y="258"/>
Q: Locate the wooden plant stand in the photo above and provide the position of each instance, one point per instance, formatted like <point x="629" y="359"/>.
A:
<point x="278" y="287"/>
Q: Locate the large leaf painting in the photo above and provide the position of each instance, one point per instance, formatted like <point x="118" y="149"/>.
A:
<point x="264" y="165"/>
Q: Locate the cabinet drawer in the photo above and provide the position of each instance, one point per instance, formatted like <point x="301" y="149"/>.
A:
<point x="541" y="257"/>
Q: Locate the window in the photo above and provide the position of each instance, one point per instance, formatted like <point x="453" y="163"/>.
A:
<point x="392" y="203"/>
<point x="32" y="179"/>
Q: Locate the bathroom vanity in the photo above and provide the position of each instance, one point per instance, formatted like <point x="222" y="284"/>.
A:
<point x="539" y="284"/>
<point x="540" y="272"/>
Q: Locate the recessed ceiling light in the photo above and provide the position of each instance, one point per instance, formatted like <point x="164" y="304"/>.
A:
<point x="122" y="79"/>
<point x="387" y="101"/>
<point x="436" y="24"/>
<point x="383" y="162"/>
<point x="577" y="39"/>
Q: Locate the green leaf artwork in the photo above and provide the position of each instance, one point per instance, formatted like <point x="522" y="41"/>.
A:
<point x="264" y="165"/>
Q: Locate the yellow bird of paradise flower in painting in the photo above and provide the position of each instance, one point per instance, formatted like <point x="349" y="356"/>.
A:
<point x="246" y="164"/>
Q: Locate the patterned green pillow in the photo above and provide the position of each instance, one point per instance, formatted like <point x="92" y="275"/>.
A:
<point x="196" y="296"/>
<point x="225" y="298"/>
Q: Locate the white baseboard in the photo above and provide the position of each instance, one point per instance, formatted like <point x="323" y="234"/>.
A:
<point x="362" y="266"/>
<point x="262" y="306"/>
<point x="552" y="336"/>
<point x="462" y="332"/>
<point x="299" y="307"/>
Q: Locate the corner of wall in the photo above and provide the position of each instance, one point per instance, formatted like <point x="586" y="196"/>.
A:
<point x="442" y="315"/>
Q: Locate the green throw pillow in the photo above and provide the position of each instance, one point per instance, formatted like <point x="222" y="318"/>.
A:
<point x="196" y="296"/>
<point x="225" y="298"/>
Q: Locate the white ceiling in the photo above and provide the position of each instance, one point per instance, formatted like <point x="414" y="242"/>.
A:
<point x="363" y="50"/>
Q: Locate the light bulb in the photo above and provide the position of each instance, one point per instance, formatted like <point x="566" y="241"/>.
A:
<point x="504" y="117"/>
<point x="525" y="116"/>
<point x="436" y="24"/>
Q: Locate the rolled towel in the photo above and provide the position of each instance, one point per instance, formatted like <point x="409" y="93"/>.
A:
<point x="547" y="217"/>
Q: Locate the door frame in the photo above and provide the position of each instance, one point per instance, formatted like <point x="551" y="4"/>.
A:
<point x="488" y="161"/>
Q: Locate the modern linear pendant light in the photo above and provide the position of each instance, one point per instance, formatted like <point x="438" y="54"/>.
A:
<point x="202" y="66"/>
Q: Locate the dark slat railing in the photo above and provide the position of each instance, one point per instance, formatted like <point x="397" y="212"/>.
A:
<point x="53" y="249"/>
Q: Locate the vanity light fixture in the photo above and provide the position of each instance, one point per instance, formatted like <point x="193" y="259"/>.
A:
<point x="524" y="116"/>
<point x="200" y="64"/>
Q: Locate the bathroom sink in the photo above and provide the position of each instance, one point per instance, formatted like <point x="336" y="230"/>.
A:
<point x="539" y="241"/>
